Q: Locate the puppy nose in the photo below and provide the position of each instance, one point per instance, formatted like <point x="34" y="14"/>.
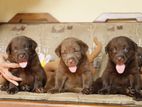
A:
<point x="71" y="61"/>
<point x="22" y="56"/>
<point x="120" y="58"/>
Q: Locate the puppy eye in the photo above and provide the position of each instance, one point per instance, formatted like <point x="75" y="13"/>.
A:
<point x="140" y="56"/>
<point x="76" y="51"/>
<point x="125" y="50"/>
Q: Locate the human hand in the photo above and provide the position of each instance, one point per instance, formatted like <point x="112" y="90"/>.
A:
<point x="7" y="74"/>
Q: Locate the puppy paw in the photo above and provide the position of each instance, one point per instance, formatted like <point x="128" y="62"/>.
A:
<point x="86" y="91"/>
<point x="53" y="90"/>
<point x="25" y="88"/>
<point x="4" y="87"/>
<point x="137" y="96"/>
<point x="13" y="90"/>
<point x="130" y="91"/>
<point x="39" y="90"/>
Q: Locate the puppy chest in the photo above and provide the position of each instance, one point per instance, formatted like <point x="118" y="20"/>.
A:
<point x="121" y="81"/>
<point x="73" y="81"/>
<point x="27" y="78"/>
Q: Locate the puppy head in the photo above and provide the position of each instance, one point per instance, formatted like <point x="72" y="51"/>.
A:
<point x="121" y="51"/>
<point x="71" y="51"/>
<point x="20" y="50"/>
<point x="139" y="56"/>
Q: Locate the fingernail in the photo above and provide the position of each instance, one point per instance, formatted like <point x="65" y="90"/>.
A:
<point x="16" y="84"/>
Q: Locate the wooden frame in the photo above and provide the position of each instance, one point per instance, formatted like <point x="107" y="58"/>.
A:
<point x="33" y="18"/>
<point x="106" y="17"/>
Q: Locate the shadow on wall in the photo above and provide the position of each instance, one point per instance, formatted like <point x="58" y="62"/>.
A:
<point x="8" y="8"/>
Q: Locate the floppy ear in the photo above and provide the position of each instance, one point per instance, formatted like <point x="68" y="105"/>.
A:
<point x="33" y="44"/>
<point x="58" y="50"/>
<point x="107" y="48"/>
<point x="8" y="49"/>
<point x="134" y="45"/>
<point x="84" y="46"/>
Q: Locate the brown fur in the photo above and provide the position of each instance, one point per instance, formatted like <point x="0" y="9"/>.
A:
<point x="120" y="50"/>
<point x="51" y="67"/>
<point x="33" y="76"/>
<point x="66" y="81"/>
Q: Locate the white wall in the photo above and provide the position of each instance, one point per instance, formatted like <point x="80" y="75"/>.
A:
<point x="68" y="10"/>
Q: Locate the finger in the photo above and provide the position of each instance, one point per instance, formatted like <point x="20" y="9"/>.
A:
<point x="14" y="82"/>
<point x="10" y="80"/>
<point x="15" y="78"/>
<point x="10" y="76"/>
<point x="9" y="65"/>
<point x="7" y="75"/>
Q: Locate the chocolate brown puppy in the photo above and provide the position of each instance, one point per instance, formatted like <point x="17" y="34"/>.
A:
<point x="21" y="50"/>
<point x="74" y="71"/>
<point x="52" y="66"/>
<point x="121" y="75"/>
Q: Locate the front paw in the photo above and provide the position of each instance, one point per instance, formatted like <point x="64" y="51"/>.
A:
<point x="130" y="91"/>
<point x="137" y="96"/>
<point x="13" y="90"/>
<point x="86" y="91"/>
<point x="39" y="90"/>
<point x="53" y="90"/>
<point x="4" y="87"/>
<point x="25" y="88"/>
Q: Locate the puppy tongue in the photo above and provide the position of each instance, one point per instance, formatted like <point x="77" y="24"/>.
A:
<point x="23" y="64"/>
<point x="73" y="69"/>
<point x="120" y="68"/>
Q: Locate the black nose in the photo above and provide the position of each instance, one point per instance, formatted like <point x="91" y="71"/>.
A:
<point x="70" y="61"/>
<point x="22" y="56"/>
<point x="120" y="58"/>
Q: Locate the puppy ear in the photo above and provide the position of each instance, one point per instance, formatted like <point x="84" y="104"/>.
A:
<point x="33" y="44"/>
<point x="107" y="48"/>
<point x="58" y="50"/>
<point x="8" y="49"/>
<point x="135" y="46"/>
<point x="84" y="46"/>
